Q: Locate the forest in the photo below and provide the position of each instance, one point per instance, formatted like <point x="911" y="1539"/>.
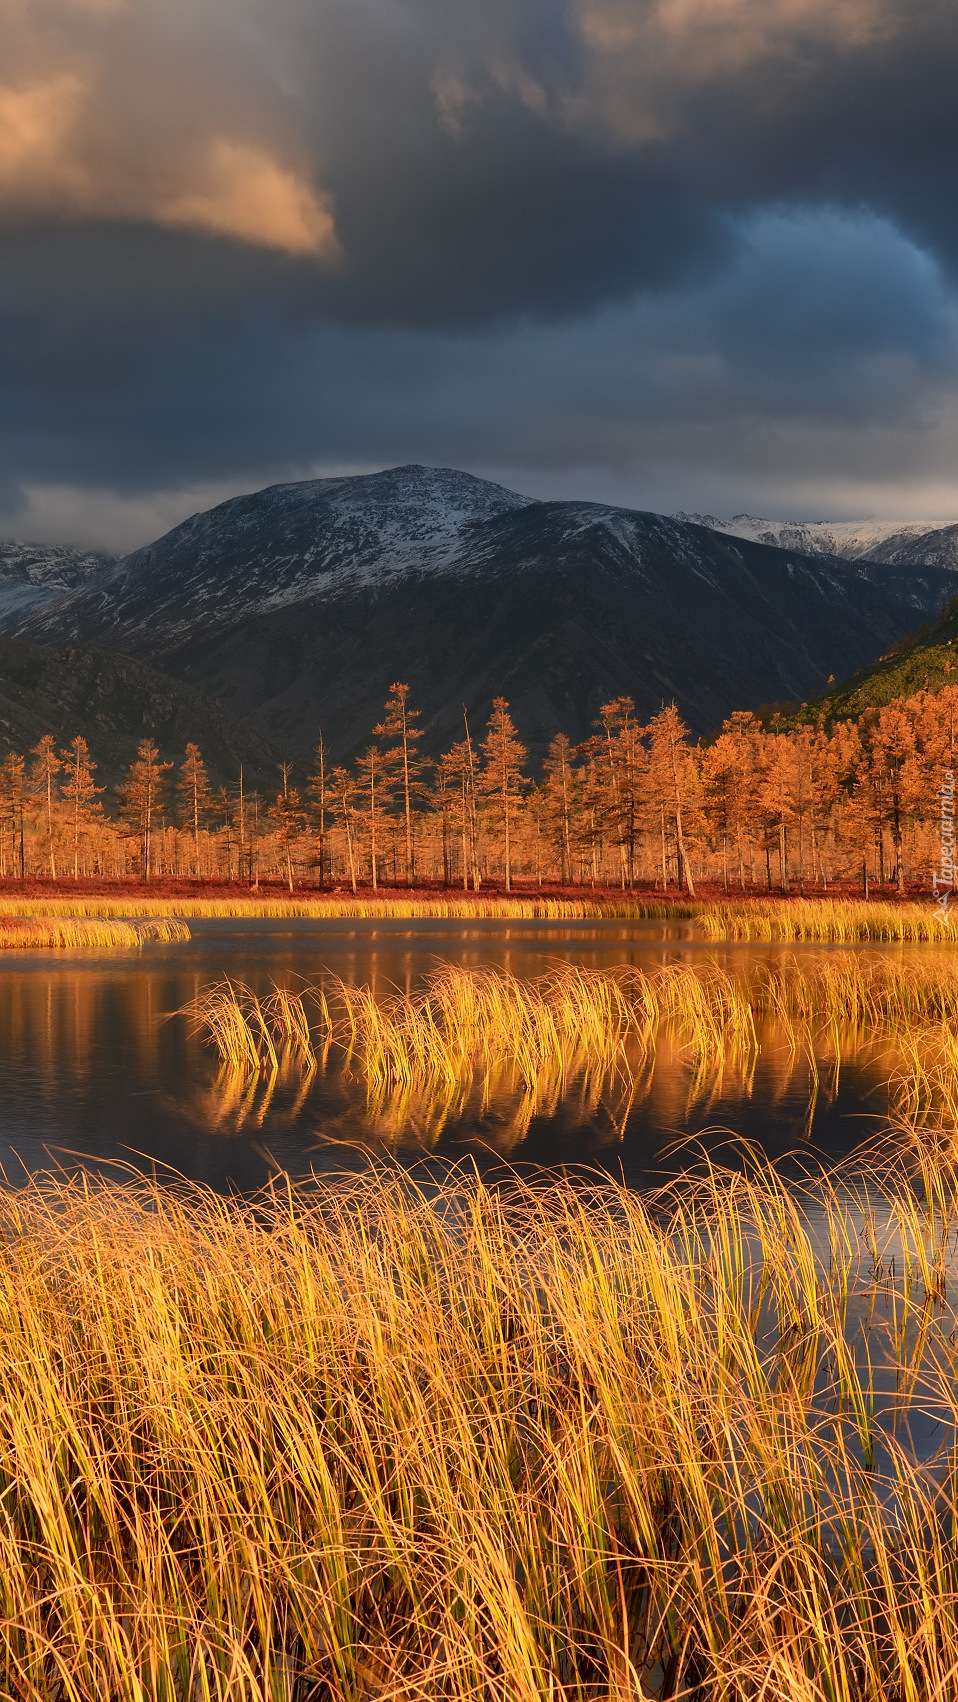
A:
<point x="758" y="807"/>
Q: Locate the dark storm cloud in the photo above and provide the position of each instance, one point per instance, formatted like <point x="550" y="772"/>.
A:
<point x="241" y="239"/>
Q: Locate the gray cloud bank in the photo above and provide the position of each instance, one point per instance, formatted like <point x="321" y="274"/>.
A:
<point x="695" y="253"/>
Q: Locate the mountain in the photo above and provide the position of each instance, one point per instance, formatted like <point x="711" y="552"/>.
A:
<point x="115" y="701"/>
<point x="34" y="574"/>
<point x="853" y="540"/>
<point x="924" y="661"/>
<point x="298" y="606"/>
<point x="935" y="548"/>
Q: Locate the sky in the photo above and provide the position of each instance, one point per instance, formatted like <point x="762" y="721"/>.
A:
<point x="676" y="254"/>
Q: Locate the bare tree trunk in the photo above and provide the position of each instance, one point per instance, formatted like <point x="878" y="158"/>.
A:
<point x="473" y="822"/>
<point x="684" y="867"/>
<point x="349" y="843"/>
<point x="465" y="834"/>
<point x="899" y="847"/>
<point x="816" y="847"/>
<point x="405" y="782"/>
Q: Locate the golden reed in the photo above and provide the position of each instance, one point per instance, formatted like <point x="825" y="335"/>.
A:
<point x="486" y="1446"/>
<point x="467" y="908"/>
<point x="844" y="921"/>
<point x="465" y="1025"/>
<point x="840" y="920"/>
<point x="42" y="930"/>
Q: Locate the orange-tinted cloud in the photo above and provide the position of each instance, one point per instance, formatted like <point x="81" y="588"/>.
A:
<point x="36" y="121"/>
<point x="644" y="57"/>
<point x="76" y="140"/>
<point x="239" y="191"/>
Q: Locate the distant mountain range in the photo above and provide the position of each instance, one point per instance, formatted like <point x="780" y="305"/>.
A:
<point x="297" y="607"/>
<point x="895" y="543"/>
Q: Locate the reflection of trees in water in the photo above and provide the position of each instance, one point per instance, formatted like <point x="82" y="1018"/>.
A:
<point x="53" y="1023"/>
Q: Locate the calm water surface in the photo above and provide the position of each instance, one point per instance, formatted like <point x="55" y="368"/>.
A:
<point x="97" y="1066"/>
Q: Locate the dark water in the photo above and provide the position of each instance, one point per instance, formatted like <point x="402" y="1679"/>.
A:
<point x="96" y="1066"/>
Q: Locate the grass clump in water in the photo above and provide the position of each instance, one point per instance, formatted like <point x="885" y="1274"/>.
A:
<point x="65" y="931"/>
<point x="365" y="1441"/>
<point x="421" y="1054"/>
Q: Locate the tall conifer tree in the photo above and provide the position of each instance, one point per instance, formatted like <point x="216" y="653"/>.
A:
<point x="143" y="796"/>
<point x="44" y="769"/>
<point x="80" y="792"/>
<point x="398" y="726"/>
<point x="195" y="799"/>
<point x="502" y="777"/>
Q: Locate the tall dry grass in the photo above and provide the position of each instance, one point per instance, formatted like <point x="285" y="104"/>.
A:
<point x="468" y="1033"/>
<point x="840" y="920"/>
<point x="65" y="931"/>
<point x="844" y="921"/>
<point x="428" y="906"/>
<point x="474" y="1036"/>
<point x="365" y="1442"/>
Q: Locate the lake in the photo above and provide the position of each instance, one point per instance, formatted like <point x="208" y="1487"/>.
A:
<point x="98" y="1067"/>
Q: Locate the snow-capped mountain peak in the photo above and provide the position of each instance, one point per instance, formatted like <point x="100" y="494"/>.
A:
<point x="291" y="543"/>
<point x="853" y="539"/>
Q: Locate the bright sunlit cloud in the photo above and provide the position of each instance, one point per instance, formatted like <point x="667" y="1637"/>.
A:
<point x="240" y="192"/>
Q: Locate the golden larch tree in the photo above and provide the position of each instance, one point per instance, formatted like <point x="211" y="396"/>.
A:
<point x="81" y="793"/>
<point x="503" y="781"/>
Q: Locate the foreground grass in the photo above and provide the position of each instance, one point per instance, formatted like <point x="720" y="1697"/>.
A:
<point x="369" y="1443"/>
<point x="43" y="930"/>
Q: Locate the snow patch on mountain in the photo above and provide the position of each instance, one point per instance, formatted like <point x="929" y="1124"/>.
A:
<point x="34" y="574"/>
<point x="854" y="540"/>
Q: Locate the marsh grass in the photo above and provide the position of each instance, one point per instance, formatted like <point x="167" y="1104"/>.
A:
<point x="424" y="907"/>
<point x="374" y="1442"/>
<point x="65" y="931"/>
<point x="843" y="921"/>
<point x="469" y="1037"/>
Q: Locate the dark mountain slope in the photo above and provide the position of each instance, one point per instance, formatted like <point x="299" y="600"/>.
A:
<point x="115" y="701"/>
<point x="299" y="606"/>
<point x="926" y="661"/>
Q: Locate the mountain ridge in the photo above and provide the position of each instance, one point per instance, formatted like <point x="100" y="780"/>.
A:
<point x="297" y="606"/>
<point x="34" y="574"/>
<point x="851" y="540"/>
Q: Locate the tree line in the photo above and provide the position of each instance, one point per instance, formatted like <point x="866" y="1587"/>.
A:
<point x="636" y="803"/>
